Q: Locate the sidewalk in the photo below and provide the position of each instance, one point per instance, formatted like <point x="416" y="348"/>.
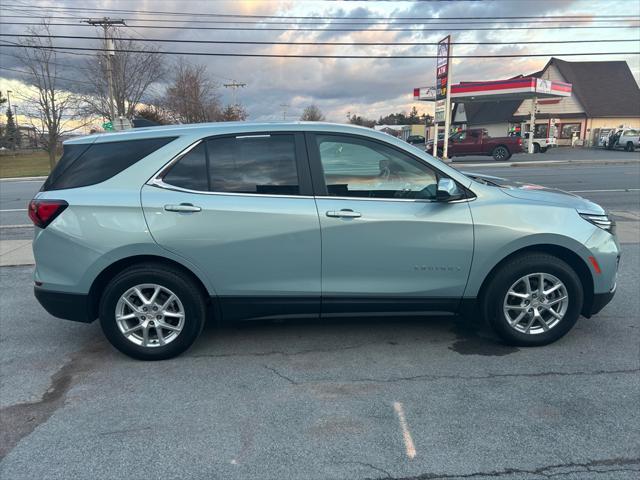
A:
<point x="15" y="252"/>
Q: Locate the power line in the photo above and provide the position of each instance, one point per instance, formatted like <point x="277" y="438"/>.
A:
<point x="275" y="55"/>
<point x="291" y="17"/>
<point x="249" y="42"/>
<point x="361" y="23"/>
<point x="276" y="29"/>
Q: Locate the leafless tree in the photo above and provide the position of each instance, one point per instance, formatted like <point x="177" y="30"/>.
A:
<point x="51" y="110"/>
<point x="312" y="113"/>
<point x="192" y="97"/>
<point x="135" y="69"/>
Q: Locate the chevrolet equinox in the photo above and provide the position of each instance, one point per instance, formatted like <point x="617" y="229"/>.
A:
<point x="155" y="230"/>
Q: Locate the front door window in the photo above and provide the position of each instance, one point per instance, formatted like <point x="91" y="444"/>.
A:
<point x="366" y="169"/>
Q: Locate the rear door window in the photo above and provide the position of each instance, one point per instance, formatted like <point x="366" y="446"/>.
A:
<point x="263" y="164"/>
<point x="99" y="161"/>
<point x="190" y="171"/>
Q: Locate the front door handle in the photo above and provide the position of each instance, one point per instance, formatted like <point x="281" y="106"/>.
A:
<point x="344" y="213"/>
<point x="183" y="207"/>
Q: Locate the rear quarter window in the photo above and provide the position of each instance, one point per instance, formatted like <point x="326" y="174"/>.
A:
<point x="82" y="165"/>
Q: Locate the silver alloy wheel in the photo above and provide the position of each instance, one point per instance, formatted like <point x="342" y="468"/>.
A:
<point x="536" y="303"/>
<point x="150" y="315"/>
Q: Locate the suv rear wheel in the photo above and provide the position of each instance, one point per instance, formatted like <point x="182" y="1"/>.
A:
<point x="534" y="299"/>
<point x="630" y="147"/>
<point x="152" y="312"/>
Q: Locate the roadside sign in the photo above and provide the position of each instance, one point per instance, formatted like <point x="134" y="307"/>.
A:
<point x="108" y="126"/>
<point x="442" y="68"/>
<point x="440" y="111"/>
<point x="443" y="101"/>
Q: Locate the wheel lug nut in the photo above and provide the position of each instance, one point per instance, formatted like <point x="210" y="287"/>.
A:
<point x="143" y="318"/>
<point x="159" y="317"/>
<point x="155" y="308"/>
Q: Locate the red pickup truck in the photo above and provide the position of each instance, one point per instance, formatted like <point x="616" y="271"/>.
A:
<point x="478" y="142"/>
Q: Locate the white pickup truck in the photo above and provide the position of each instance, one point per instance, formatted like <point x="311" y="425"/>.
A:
<point x="540" y="144"/>
<point x="623" y="138"/>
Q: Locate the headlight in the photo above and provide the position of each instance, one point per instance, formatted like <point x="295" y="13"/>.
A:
<point x="601" y="221"/>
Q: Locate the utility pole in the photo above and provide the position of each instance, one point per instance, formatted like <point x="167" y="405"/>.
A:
<point x="15" y="119"/>
<point x="9" y="92"/>
<point x="234" y="86"/>
<point x="105" y="23"/>
<point x="284" y="111"/>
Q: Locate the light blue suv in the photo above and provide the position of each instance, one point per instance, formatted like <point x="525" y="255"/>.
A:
<point x="155" y="230"/>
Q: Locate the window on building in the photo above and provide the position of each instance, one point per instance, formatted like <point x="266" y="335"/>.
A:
<point x="567" y="129"/>
<point x="541" y="131"/>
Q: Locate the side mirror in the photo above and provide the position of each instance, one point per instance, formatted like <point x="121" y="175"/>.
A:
<point x="448" y="191"/>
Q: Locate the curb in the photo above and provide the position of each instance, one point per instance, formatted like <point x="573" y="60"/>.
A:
<point x="22" y="179"/>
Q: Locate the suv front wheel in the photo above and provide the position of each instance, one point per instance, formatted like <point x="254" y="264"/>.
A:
<point x="533" y="299"/>
<point x="152" y="312"/>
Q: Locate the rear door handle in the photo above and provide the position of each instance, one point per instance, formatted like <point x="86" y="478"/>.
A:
<point x="183" y="207"/>
<point x="344" y="213"/>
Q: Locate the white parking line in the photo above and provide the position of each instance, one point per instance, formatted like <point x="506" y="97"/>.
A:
<point x="14" y="210"/>
<point x="406" y="434"/>
<point x="25" y="225"/>
<point x="607" y="191"/>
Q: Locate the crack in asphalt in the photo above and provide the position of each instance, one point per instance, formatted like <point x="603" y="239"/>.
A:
<point x="368" y="465"/>
<point x="431" y="377"/>
<point x="290" y="380"/>
<point x="19" y="420"/>
<point x="544" y="471"/>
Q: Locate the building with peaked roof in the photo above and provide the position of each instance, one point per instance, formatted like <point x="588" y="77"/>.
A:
<point x="605" y="96"/>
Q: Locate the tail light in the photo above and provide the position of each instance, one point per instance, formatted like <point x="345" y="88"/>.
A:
<point x="519" y="140"/>
<point x="43" y="212"/>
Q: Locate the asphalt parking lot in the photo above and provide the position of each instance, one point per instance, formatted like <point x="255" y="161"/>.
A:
<point x="422" y="398"/>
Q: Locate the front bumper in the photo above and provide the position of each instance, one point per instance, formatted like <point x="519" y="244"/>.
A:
<point x="600" y="300"/>
<point x="68" y="306"/>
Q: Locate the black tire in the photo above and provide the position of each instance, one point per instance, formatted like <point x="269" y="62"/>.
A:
<point x="491" y="303"/>
<point x="173" y="279"/>
<point x="501" y="153"/>
<point x="543" y="149"/>
<point x="630" y="147"/>
<point x="536" y="148"/>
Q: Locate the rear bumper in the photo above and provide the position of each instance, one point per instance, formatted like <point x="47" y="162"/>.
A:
<point x="68" y="306"/>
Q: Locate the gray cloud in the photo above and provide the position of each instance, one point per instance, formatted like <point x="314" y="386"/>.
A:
<point x="368" y="87"/>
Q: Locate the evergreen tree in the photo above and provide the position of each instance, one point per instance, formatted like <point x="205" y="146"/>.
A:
<point x="11" y="132"/>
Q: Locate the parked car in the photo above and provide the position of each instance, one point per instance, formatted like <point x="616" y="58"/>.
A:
<point x="478" y="142"/>
<point x="415" y="139"/>
<point x="156" y="230"/>
<point x="540" y="144"/>
<point x="627" y="139"/>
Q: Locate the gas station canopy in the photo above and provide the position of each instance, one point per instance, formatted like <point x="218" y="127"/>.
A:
<point x="513" y="89"/>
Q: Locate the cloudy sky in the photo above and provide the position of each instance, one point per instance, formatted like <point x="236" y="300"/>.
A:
<point x="367" y="87"/>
